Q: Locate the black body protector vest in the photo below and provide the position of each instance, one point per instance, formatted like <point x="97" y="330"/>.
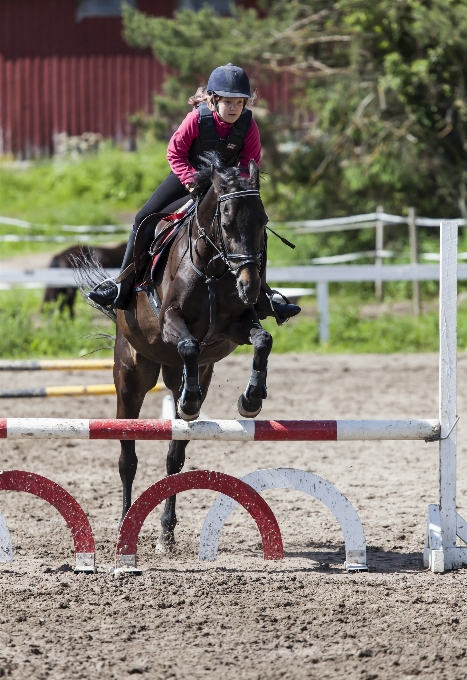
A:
<point x="228" y="148"/>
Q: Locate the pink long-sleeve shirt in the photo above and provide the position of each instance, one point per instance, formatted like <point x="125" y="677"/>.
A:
<point x="182" y="139"/>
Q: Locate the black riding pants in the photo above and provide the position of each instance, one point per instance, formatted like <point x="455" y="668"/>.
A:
<point x="170" y="191"/>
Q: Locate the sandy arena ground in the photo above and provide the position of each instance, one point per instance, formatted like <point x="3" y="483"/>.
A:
<point x="240" y="617"/>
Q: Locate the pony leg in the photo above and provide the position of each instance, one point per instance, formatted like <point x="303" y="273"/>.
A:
<point x="251" y="401"/>
<point x="134" y="376"/>
<point x="248" y="330"/>
<point x="176" y="454"/>
<point x="176" y="332"/>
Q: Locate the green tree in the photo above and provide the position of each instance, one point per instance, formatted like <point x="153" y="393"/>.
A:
<point x="380" y="112"/>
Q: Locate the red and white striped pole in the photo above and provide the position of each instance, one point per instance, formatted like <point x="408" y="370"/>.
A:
<point x="222" y="430"/>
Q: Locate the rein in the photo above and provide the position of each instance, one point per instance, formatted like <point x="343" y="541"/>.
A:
<point x="222" y="253"/>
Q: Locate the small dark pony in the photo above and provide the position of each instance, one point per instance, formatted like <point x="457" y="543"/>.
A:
<point x="206" y="285"/>
<point x="108" y="257"/>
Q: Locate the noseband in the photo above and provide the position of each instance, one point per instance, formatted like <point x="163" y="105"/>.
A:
<point x="220" y="247"/>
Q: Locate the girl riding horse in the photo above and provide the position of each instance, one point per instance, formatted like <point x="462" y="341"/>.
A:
<point x="219" y="122"/>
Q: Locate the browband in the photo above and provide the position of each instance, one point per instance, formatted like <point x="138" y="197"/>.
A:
<point x="237" y="194"/>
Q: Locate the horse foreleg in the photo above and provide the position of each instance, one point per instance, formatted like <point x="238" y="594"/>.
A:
<point x="176" y="332"/>
<point x="134" y="376"/>
<point x="176" y="455"/>
<point x="248" y="330"/>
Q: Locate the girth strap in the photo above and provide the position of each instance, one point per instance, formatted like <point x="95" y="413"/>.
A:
<point x="212" y="312"/>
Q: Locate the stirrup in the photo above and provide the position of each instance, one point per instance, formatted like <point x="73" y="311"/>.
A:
<point x="279" y="321"/>
<point x="108" y="288"/>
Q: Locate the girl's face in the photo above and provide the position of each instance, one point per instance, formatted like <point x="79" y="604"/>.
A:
<point x="230" y="108"/>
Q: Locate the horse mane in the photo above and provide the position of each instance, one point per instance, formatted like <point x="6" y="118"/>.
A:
<point x="230" y="176"/>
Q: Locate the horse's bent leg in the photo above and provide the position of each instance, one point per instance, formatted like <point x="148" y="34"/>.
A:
<point x="134" y="376"/>
<point x="176" y="455"/>
<point x="251" y="401"/>
<point x="176" y="332"/>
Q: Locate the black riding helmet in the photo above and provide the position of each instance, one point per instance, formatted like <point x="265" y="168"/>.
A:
<point x="229" y="81"/>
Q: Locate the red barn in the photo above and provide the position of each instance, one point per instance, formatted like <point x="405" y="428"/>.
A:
<point x="64" y="67"/>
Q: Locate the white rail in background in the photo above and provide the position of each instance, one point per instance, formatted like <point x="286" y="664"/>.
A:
<point x="320" y="275"/>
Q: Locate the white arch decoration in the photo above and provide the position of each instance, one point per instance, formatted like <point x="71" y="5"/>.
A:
<point x="6" y="547"/>
<point x="290" y="478"/>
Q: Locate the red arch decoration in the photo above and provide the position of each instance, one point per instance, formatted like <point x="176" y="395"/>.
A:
<point x="127" y="543"/>
<point x="67" y="506"/>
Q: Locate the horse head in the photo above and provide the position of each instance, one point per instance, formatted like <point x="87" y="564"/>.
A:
<point x="240" y="230"/>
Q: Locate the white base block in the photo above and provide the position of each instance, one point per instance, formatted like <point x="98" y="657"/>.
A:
<point x="436" y="561"/>
<point x="85" y="563"/>
<point x="126" y="564"/>
<point x="436" y="556"/>
<point x="131" y="571"/>
<point x="352" y="568"/>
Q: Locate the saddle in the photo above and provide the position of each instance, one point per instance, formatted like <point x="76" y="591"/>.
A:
<point x="154" y="236"/>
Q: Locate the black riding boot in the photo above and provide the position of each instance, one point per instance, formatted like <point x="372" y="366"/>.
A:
<point x="282" y="311"/>
<point x="118" y="295"/>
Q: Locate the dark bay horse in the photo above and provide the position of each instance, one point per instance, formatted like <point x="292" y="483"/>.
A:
<point x="208" y="284"/>
<point x="109" y="257"/>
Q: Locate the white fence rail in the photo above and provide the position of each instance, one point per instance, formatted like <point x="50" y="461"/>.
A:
<point x="368" y="220"/>
<point x="323" y="276"/>
<point x="318" y="275"/>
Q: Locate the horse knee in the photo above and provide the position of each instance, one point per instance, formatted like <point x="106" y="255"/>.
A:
<point x="188" y="348"/>
<point x="261" y="339"/>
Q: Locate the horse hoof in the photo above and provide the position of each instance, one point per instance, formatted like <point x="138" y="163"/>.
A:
<point x="243" y="412"/>
<point x="165" y="543"/>
<point x="187" y="416"/>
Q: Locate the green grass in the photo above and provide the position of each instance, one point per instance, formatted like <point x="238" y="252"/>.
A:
<point x="27" y="333"/>
<point x="86" y="190"/>
<point x="93" y="189"/>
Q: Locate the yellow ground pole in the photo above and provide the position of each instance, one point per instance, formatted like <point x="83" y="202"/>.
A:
<point x="57" y="365"/>
<point x="66" y="391"/>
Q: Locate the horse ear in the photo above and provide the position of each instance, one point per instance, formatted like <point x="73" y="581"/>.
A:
<point x="216" y="180"/>
<point x="254" y="174"/>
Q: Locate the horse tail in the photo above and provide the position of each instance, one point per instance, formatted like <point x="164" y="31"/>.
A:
<point x="88" y="273"/>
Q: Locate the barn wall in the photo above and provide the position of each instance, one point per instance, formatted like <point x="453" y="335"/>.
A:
<point x="42" y="96"/>
<point x="57" y="75"/>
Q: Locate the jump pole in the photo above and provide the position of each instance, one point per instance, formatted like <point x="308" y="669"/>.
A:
<point x="66" y="391"/>
<point x="219" y="430"/>
<point x="56" y="365"/>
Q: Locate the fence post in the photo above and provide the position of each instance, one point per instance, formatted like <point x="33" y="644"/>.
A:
<point x="414" y="259"/>
<point x="379" y="247"/>
<point x="323" y="311"/>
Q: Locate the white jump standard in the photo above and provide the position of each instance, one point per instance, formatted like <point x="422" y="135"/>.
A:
<point x="444" y="524"/>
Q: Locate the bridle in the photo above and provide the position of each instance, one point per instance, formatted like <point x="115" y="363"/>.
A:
<point x="220" y="247"/>
<point x="221" y="253"/>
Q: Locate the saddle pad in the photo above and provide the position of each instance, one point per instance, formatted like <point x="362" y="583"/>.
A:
<point x="167" y="238"/>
